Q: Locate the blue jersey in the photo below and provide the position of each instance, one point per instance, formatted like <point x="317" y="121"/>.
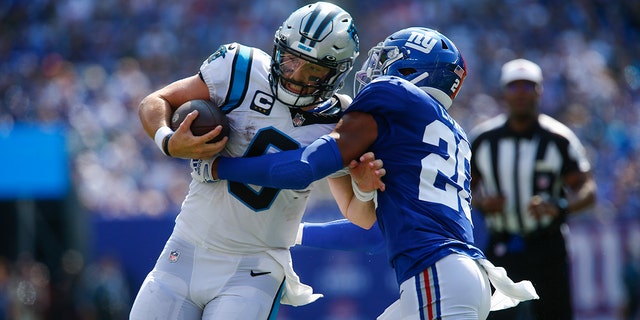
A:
<point x="425" y="211"/>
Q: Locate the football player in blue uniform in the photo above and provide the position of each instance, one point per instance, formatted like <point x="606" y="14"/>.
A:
<point x="228" y="255"/>
<point x="400" y="115"/>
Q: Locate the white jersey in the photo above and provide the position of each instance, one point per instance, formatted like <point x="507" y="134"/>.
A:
<point x="233" y="217"/>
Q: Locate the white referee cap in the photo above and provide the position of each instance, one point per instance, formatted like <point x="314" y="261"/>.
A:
<point x="520" y="69"/>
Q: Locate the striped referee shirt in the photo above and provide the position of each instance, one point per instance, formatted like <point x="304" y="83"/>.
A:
<point x="522" y="165"/>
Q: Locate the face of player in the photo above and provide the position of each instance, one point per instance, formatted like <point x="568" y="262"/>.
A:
<point x="301" y="76"/>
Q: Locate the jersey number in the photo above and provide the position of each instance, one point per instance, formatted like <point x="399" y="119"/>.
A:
<point x="262" y="141"/>
<point x="440" y="186"/>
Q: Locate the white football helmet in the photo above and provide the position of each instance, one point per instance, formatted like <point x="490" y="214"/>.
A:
<point x="321" y="34"/>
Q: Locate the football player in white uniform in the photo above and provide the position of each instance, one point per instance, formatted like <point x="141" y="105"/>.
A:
<point x="228" y="256"/>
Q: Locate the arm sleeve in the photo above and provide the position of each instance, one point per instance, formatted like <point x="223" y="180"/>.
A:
<point x="343" y="235"/>
<point x="294" y="169"/>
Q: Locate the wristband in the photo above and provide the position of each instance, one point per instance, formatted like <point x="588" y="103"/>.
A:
<point x="361" y="195"/>
<point x="162" y="139"/>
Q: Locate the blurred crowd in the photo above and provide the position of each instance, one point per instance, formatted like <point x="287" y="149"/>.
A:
<point x="85" y="65"/>
<point x="30" y="290"/>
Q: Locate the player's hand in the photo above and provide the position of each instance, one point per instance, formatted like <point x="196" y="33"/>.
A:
<point x="367" y="173"/>
<point x="183" y="144"/>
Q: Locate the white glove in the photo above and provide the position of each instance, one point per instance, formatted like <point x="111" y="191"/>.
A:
<point x="201" y="170"/>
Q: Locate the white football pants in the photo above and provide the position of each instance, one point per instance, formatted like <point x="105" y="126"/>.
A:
<point x="193" y="283"/>
<point x="456" y="287"/>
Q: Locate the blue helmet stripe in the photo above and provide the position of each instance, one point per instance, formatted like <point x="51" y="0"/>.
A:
<point x="239" y="78"/>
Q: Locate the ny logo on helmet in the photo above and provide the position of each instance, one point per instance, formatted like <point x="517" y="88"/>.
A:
<point x="421" y="42"/>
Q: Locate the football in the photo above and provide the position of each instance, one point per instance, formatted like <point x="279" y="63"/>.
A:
<point x="209" y="117"/>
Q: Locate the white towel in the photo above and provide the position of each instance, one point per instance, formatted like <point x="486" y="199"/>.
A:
<point x="296" y="293"/>
<point x="508" y="294"/>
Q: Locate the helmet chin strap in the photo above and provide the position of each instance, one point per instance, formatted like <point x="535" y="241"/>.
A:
<point x="439" y="95"/>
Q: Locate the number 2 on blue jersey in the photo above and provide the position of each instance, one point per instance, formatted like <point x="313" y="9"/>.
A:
<point x="440" y="175"/>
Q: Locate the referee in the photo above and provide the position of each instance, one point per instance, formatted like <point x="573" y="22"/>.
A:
<point x="529" y="171"/>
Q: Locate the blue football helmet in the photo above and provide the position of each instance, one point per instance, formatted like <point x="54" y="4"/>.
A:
<point x="321" y="34"/>
<point x="423" y="56"/>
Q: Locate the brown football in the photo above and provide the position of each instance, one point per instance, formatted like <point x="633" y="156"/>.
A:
<point x="209" y="117"/>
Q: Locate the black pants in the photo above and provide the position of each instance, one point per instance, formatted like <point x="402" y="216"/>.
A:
<point x="543" y="260"/>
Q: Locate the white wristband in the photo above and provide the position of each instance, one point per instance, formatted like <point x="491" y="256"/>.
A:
<point x="361" y="195"/>
<point x="159" y="138"/>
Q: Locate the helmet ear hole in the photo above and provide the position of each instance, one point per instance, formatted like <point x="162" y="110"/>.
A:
<point x="407" y="71"/>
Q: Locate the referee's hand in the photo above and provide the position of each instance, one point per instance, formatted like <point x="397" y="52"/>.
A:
<point x="492" y="205"/>
<point x="539" y="208"/>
